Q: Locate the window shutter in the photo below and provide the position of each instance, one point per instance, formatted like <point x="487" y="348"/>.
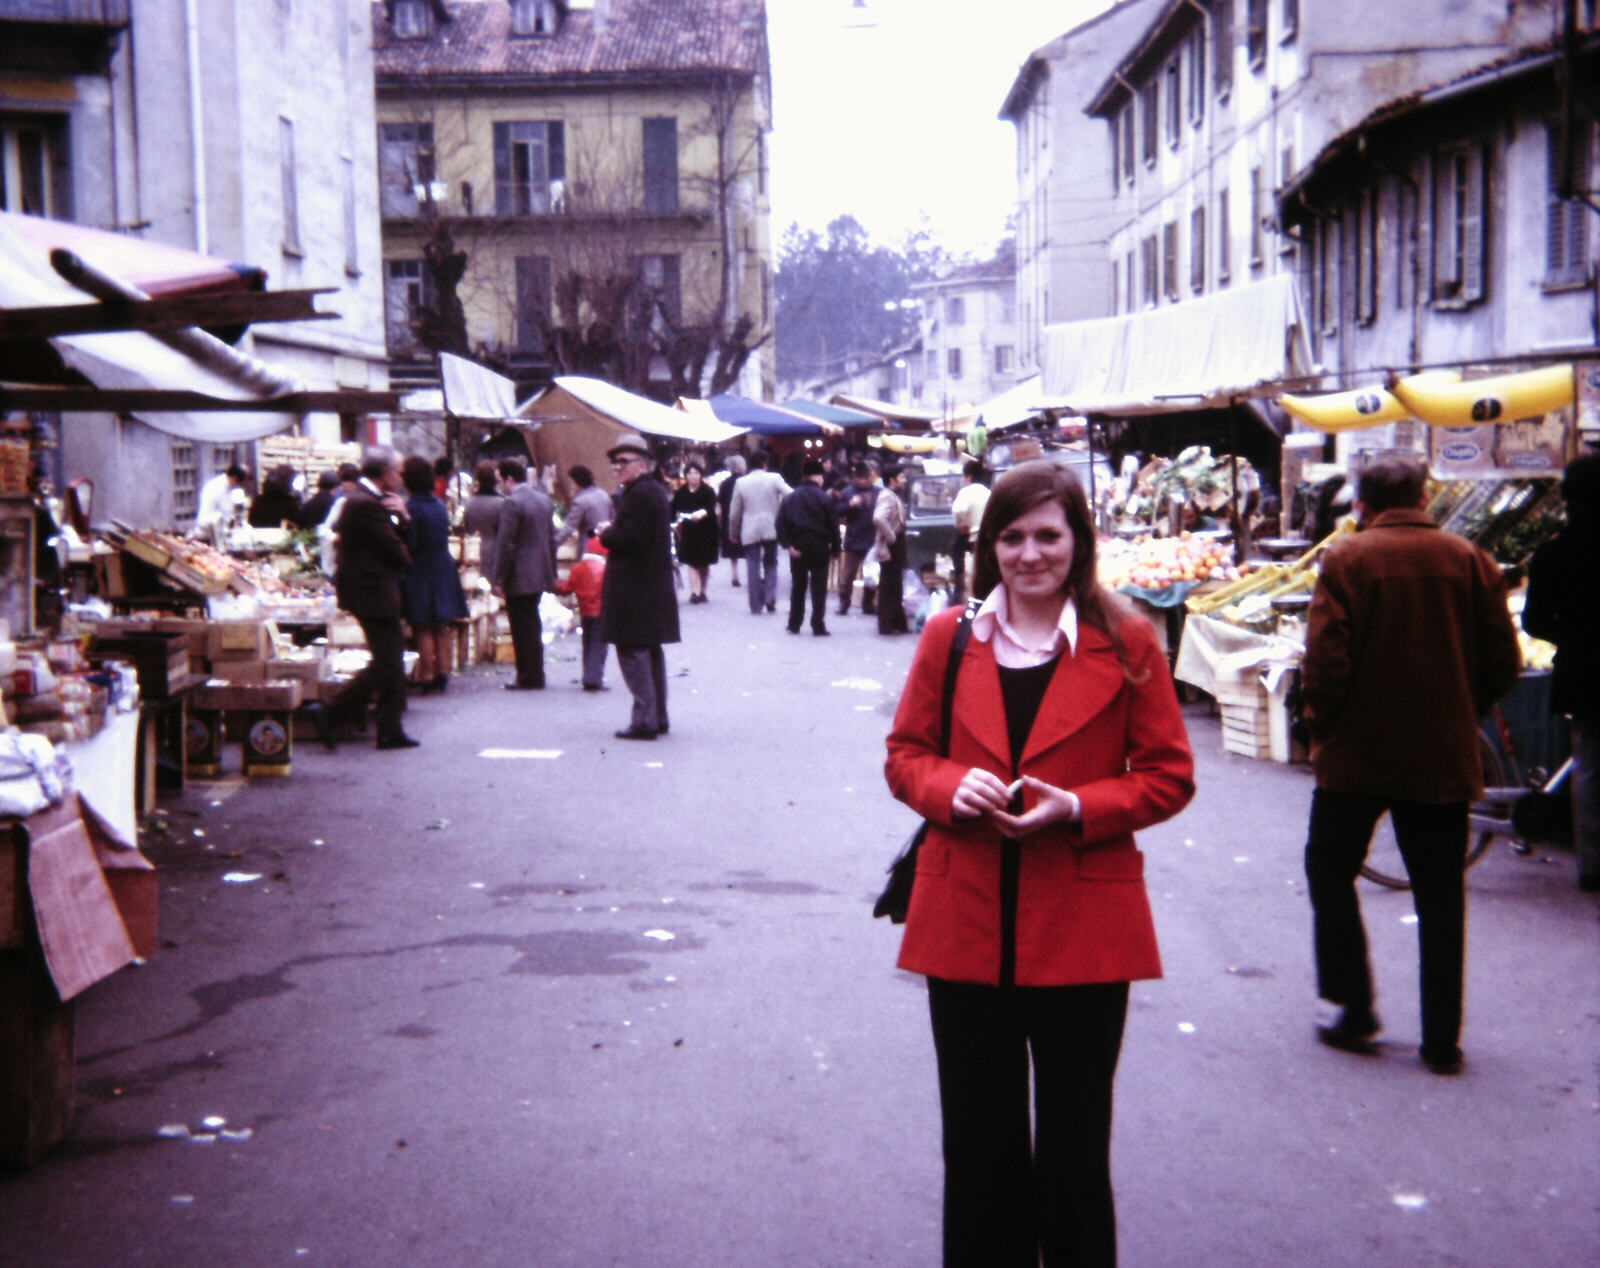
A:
<point x="661" y="164"/>
<point x="1475" y="214"/>
<point x="1222" y="25"/>
<point x="533" y="301"/>
<point x="1446" y="280"/>
<point x="502" y="168"/>
<point x="1197" y="250"/>
<point x="556" y="151"/>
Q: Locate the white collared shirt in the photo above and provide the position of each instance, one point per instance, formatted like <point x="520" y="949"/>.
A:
<point x="1011" y="651"/>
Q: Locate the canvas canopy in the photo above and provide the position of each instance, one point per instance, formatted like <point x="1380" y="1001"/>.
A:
<point x="769" y="420"/>
<point x="580" y="418"/>
<point x="133" y="359"/>
<point x="832" y="413"/>
<point x="1199" y="354"/>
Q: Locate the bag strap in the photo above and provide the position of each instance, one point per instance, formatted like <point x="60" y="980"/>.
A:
<point x="952" y="671"/>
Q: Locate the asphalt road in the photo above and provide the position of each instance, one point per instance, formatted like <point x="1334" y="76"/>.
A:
<point x="596" y="1003"/>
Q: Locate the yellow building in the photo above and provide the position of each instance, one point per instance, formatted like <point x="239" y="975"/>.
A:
<point x="601" y="167"/>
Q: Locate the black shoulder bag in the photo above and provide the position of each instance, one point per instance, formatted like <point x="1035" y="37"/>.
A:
<point x="895" y="900"/>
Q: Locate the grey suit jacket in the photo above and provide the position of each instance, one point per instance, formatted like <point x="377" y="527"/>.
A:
<point x="525" y="548"/>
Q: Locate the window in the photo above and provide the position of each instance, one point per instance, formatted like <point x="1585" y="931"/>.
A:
<point x="26" y="155"/>
<point x="1169" y="259"/>
<point x="1197" y="251"/>
<point x="955" y="311"/>
<point x="1286" y="170"/>
<point x="659" y="274"/>
<point x="1224" y="253"/>
<point x="661" y="164"/>
<point x="406" y="291"/>
<point x="1149" y="101"/>
<point x="1002" y="358"/>
<point x="352" y="254"/>
<point x="1174" y="104"/>
<point x="932" y="370"/>
<point x="1150" y="268"/>
<point x="1256" y="200"/>
<point x="1127" y="283"/>
<point x="533" y="302"/>
<point x="1256" y="32"/>
<point x="533" y="17"/>
<point x="1222" y="21"/>
<point x="1366" y="252"/>
<point x="411" y="19"/>
<point x="1458" y="225"/>
<point x="185" y="481"/>
<point x="1197" y="74"/>
<point x="291" y="202"/>
<point x="530" y="168"/>
<point x="952" y="361"/>
<point x="1291" y="19"/>
<point x="1127" y="143"/>
<point x="1566" y="226"/>
<point x="405" y="167"/>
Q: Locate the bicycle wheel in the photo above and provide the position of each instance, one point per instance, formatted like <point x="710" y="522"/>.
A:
<point x="1385" y="867"/>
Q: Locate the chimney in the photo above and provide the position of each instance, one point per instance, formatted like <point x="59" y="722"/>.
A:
<point x="602" y="16"/>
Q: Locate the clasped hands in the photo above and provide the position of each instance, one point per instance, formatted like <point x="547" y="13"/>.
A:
<point x="982" y="792"/>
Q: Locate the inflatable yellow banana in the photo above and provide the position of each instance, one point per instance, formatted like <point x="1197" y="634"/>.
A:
<point x="1501" y="398"/>
<point x="1364" y="407"/>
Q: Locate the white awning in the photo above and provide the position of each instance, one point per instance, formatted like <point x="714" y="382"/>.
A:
<point x="475" y="391"/>
<point x="1196" y="355"/>
<point x="133" y="359"/>
<point x="637" y="413"/>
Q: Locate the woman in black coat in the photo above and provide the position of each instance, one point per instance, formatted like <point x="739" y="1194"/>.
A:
<point x="694" y="515"/>
<point x="433" y="596"/>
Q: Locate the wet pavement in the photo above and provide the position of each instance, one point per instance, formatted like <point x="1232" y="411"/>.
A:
<point x="532" y="995"/>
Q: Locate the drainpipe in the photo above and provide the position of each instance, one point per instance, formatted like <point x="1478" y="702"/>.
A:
<point x="197" y="158"/>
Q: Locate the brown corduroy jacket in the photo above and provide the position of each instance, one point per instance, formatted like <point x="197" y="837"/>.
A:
<point x="1408" y="643"/>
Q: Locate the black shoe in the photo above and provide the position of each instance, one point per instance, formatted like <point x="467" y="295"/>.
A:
<point x="663" y="728"/>
<point x="821" y="633"/>
<point x="772" y="607"/>
<point x="398" y="741"/>
<point x="636" y="733"/>
<point x="1445" y="1063"/>
<point x="844" y="611"/>
<point x="524" y="686"/>
<point x="323" y="723"/>
<point x="1353" y="1032"/>
<point x="736" y="583"/>
<point x="591" y="686"/>
<point x="793" y="629"/>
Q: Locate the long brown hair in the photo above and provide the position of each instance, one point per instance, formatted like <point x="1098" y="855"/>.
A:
<point x="1023" y="488"/>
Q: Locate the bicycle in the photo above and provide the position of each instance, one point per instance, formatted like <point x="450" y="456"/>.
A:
<point x="1524" y="808"/>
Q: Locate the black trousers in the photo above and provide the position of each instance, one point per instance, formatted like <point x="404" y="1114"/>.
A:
<point x="382" y="681"/>
<point x="1433" y="844"/>
<point x="1017" y="1188"/>
<point x="808" y="572"/>
<point x="527" y="638"/>
<point x="891" y="598"/>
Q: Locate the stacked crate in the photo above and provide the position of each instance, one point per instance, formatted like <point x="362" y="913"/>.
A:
<point x="1246" y="717"/>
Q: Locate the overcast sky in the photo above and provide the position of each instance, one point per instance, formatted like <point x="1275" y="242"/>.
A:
<point x="891" y="120"/>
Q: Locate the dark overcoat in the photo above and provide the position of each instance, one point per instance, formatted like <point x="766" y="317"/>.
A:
<point x="640" y="605"/>
<point x="372" y="557"/>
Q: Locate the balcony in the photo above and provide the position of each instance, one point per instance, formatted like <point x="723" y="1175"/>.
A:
<point x="66" y="36"/>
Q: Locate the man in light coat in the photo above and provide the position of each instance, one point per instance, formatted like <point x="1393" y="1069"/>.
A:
<point x="889" y="522"/>
<point x="753" y="523"/>
<point x="524" y="568"/>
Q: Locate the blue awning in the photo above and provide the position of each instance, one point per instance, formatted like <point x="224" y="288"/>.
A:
<point x="767" y="420"/>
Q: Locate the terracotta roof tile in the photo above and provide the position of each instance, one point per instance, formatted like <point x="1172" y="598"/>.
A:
<point x="643" y="38"/>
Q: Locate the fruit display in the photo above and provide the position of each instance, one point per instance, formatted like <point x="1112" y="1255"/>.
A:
<point x="1203" y="484"/>
<point x="1159" y="563"/>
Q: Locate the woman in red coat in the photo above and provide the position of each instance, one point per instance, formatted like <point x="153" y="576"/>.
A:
<point x="1029" y="914"/>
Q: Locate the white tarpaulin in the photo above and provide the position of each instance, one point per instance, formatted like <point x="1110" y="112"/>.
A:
<point x="130" y="359"/>
<point x="474" y="391"/>
<point x="640" y="414"/>
<point x="1192" y="355"/>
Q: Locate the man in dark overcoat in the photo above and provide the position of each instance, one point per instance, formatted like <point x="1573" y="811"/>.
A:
<point x="1408" y="643"/>
<point x="524" y="568"/>
<point x="809" y="530"/>
<point x="372" y="558"/>
<point x="640" y="606"/>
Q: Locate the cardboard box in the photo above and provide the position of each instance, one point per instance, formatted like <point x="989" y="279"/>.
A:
<point x="253" y="696"/>
<point x="238" y="640"/>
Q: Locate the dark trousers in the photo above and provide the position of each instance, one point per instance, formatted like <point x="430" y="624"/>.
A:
<point x="761" y="574"/>
<point x="1433" y="844"/>
<point x="848" y="571"/>
<point x="891" y="599"/>
<point x="527" y="638"/>
<point x="644" y="669"/>
<point x="1014" y="1188"/>
<point x="808" y="572"/>
<point x="382" y="681"/>
<point x="594" y="650"/>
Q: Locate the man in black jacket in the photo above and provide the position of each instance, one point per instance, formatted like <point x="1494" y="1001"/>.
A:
<point x="641" y="609"/>
<point x="808" y="530"/>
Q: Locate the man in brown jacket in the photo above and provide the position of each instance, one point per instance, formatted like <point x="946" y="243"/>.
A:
<point x="1408" y="643"/>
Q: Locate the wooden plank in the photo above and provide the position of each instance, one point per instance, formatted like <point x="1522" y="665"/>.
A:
<point x="175" y="312"/>
<point x="81" y="400"/>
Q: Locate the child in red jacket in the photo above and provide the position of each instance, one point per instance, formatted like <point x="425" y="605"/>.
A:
<point x="584" y="581"/>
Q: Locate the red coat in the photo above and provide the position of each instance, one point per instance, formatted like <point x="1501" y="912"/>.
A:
<point x="1083" y="915"/>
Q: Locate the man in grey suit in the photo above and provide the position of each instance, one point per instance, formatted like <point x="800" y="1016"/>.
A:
<point x="753" y="523"/>
<point x="591" y="507"/>
<point x="524" y="568"/>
